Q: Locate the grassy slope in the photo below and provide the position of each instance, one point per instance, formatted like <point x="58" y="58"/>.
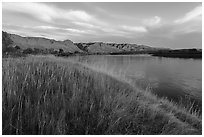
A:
<point x="46" y="95"/>
<point x="43" y="43"/>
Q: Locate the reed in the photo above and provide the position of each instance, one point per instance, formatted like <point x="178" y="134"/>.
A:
<point x="49" y="95"/>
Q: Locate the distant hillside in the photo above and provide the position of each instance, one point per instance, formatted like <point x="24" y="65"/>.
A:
<point x="100" y="47"/>
<point x="70" y="47"/>
<point x="97" y="47"/>
<point x="43" y="43"/>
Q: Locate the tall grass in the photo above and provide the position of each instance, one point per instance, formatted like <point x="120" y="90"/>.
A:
<point x="46" y="95"/>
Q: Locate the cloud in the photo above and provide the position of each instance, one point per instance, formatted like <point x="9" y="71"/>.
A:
<point x="45" y="31"/>
<point x="186" y="28"/>
<point x="84" y="24"/>
<point x="77" y="15"/>
<point x="47" y="13"/>
<point x="183" y="40"/>
<point x="70" y="30"/>
<point x="69" y="20"/>
<point x="195" y="14"/>
<point x="152" y="21"/>
<point x="102" y="29"/>
<point x="80" y="31"/>
<point x="191" y="22"/>
<point x="47" y="27"/>
<point x="87" y="24"/>
<point x="37" y="10"/>
<point x="134" y="28"/>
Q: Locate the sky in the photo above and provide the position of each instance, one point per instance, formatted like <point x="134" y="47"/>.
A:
<point x="156" y="24"/>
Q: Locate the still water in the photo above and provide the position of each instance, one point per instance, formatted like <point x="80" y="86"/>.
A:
<point x="175" y="78"/>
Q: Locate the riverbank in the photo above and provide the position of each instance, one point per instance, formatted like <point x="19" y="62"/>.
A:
<point x="50" y="95"/>
<point x="182" y="53"/>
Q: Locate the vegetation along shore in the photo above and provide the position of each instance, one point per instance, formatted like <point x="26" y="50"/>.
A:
<point x="48" y="95"/>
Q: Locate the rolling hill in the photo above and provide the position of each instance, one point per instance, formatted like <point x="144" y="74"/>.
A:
<point x="43" y="43"/>
<point x="69" y="46"/>
<point x="100" y="47"/>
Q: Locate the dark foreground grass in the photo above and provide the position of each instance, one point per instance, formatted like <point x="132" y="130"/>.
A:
<point x="43" y="95"/>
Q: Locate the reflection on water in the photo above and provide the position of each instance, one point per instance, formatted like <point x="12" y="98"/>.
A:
<point x="173" y="78"/>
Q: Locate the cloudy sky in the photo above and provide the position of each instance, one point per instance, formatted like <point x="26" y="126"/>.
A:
<point x="173" y="25"/>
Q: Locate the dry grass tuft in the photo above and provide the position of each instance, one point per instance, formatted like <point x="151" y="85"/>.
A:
<point x="45" y="95"/>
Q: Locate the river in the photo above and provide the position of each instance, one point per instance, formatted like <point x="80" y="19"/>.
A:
<point x="180" y="80"/>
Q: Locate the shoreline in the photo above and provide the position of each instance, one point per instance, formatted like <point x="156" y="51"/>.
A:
<point x="88" y="85"/>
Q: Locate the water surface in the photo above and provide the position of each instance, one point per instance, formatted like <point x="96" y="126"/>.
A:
<point x="177" y="79"/>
